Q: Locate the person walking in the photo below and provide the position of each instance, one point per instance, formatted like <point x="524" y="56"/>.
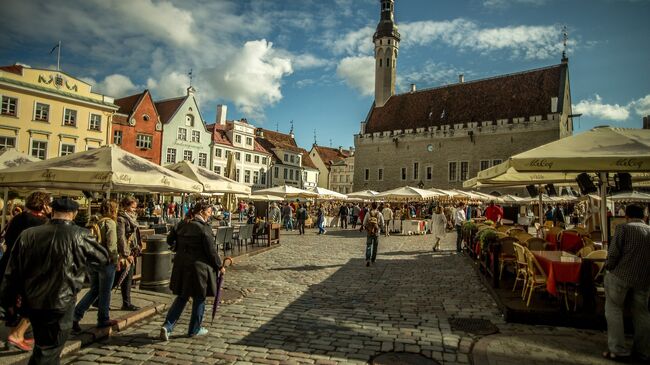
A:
<point x="459" y="220"/>
<point x="101" y="279"/>
<point x="301" y="217"/>
<point x="287" y="216"/>
<point x="47" y="287"/>
<point x="362" y="213"/>
<point x="558" y="216"/>
<point x="628" y="274"/>
<point x="372" y="223"/>
<point x="129" y="246"/>
<point x="37" y="207"/>
<point x="275" y="214"/>
<point x="344" y="211"/>
<point x="194" y="274"/>
<point x="355" y="215"/>
<point x="320" y="219"/>
<point x="438" y="223"/>
<point x="387" y="213"/>
<point x="251" y="214"/>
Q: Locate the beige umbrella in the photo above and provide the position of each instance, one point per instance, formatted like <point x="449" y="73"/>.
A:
<point x="107" y="168"/>
<point x="260" y="197"/>
<point x="288" y="192"/>
<point x="229" y="200"/>
<point x="408" y="193"/>
<point x="327" y="194"/>
<point x="363" y="195"/>
<point x="211" y="181"/>
<point x="10" y="157"/>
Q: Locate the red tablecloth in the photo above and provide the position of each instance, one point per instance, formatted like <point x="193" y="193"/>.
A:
<point x="556" y="270"/>
<point x="570" y="242"/>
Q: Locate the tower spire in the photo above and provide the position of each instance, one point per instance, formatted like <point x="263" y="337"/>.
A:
<point x="315" y="142"/>
<point x="565" y="38"/>
<point x="386" y="40"/>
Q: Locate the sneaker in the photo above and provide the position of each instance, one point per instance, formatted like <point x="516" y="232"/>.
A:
<point x="202" y="332"/>
<point x="130" y="307"/>
<point x="164" y="334"/>
<point x="109" y="323"/>
<point x="367" y="263"/>
<point x="75" y="327"/>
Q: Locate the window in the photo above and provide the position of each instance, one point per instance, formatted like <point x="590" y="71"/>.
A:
<point x="187" y="155"/>
<point x="366" y="175"/>
<point x="196" y="136"/>
<point x="237" y="156"/>
<point x="452" y="171"/>
<point x="203" y="159"/>
<point x="42" y="112"/>
<point x="496" y="162"/>
<point x="237" y="138"/>
<point x="7" y="142"/>
<point x="347" y="177"/>
<point x="247" y="176"/>
<point x="67" y="149"/>
<point x="228" y="153"/>
<point x="217" y="152"/>
<point x="9" y="106"/>
<point x="39" y="149"/>
<point x="286" y="174"/>
<point x="247" y="157"/>
<point x="217" y="169"/>
<point x="256" y="177"/>
<point x="182" y="134"/>
<point x="143" y="141"/>
<point x="291" y="175"/>
<point x="485" y="164"/>
<point x="117" y="137"/>
<point x="237" y="173"/>
<point x="380" y="175"/>
<point x="95" y="123"/>
<point x="171" y="155"/>
<point x="286" y="157"/>
<point x="416" y="171"/>
<point x="291" y="159"/>
<point x="263" y="160"/>
<point x="276" y="172"/>
<point x="145" y="117"/>
<point x="464" y="170"/>
<point x="429" y="172"/>
<point x="189" y="120"/>
<point x="249" y="141"/>
<point x="256" y="159"/>
<point x="70" y="118"/>
<point x="403" y="173"/>
<point x="263" y="177"/>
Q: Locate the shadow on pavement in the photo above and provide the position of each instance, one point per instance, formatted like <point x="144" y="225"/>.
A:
<point x="305" y="268"/>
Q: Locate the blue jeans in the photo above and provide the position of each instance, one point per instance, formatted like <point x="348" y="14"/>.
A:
<point x="372" y="242"/>
<point x="459" y="237"/>
<point x="101" y="283"/>
<point x="615" y="292"/>
<point x="175" y="311"/>
<point x="321" y="226"/>
<point x="288" y="223"/>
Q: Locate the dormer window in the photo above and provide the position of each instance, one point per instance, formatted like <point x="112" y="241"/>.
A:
<point x="189" y="120"/>
<point x="237" y="138"/>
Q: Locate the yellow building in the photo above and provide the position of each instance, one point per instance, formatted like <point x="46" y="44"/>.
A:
<point x="48" y="113"/>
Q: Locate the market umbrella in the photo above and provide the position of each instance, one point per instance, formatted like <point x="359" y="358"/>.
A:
<point x="363" y="195"/>
<point x="10" y="157"/>
<point x="230" y="172"/>
<point x="288" y="192"/>
<point x="217" y="296"/>
<point x="260" y="197"/>
<point x="408" y="193"/>
<point x="107" y="168"/>
<point x="631" y="196"/>
<point x="211" y="181"/>
<point x="327" y="194"/>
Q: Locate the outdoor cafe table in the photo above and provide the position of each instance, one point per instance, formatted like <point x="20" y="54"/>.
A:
<point x="560" y="267"/>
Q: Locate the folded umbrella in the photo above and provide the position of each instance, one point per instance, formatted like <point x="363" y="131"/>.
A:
<point x="217" y="296"/>
<point x="123" y="276"/>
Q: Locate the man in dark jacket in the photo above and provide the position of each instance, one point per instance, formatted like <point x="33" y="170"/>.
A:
<point x="46" y="270"/>
<point x="194" y="274"/>
<point x="343" y="213"/>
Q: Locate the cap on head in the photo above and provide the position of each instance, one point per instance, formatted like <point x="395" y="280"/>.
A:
<point x="65" y="205"/>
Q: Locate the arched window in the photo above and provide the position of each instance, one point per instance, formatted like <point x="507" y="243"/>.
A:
<point x="380" y="62"/>
<point x="189" y="120"/>
<point x="388" y="62"/>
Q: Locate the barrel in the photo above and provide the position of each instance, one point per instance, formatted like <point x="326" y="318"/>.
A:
<point x="156" y="264"/>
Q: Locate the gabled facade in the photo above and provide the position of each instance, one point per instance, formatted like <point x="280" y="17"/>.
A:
<point x="185" y="136"/>
<point x="335" y="166"/>
<point x="137" y="127"/>
<point x="238" y="137"/>
<point x="48" y="113"/>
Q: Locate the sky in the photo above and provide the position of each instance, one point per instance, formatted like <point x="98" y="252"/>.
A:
<point x="310" y="61"/>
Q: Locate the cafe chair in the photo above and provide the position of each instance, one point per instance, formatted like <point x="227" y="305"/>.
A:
<point x="522" y="267"/>
<point x="513" y="232"/>
<point x="503" y="229"/>
<point x="227" y="238"/>
<point x="501" y="235"/>
<point x="523" y="237"/>
<point x="245" y="234"/>
<point x="536" y="244"/>
<point x="586" y="250"/>
<point x="598" y="257"/>
<point x="508" y="255"/>
<point x="536" y="277"/>
<point x="552" y="234"/>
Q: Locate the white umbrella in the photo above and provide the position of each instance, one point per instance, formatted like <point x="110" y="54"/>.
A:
<point x="107" y="168"/>
<point x="631" y="196"/>
<point x="363" y="195"/>
<point x="288" y="192"/>
<point x="260" y="197"/>
<point x="327" y="194"/>
<point x="408" y="193"/>
<point x="513" y="199"/>
<point x="211" y="181"/>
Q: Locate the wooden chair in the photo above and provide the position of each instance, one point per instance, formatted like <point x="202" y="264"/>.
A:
<point x="523" y="237"/>
<point x="536" y="244"/>
<point x="522" y="267"/>
<point x="586" y="250"/>
<point x="508" y="255"/>
<point x="513" y="232"/>
<point x="536" y="276"/>
<point x="503" y="229"/>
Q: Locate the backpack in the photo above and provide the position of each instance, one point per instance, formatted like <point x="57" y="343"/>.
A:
<point x="96" y="226"/>
<point x="372" y="224"/>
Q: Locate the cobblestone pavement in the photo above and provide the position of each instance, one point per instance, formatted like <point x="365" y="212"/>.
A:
<point x="313" y="301"/>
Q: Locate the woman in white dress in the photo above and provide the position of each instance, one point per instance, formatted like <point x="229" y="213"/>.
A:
<point x="438" y="223"/>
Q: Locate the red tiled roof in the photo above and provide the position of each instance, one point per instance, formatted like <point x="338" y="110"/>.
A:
<point x="220" y="136"/>
<point x="15" y="69"/>
<point x="273" y="139"/>
<point x="128" y="103"/>
<point x="504" y="97"/>
<point x="167" y="108"/>
<point x="330" y="155"/>
<point x="306" y="160"/>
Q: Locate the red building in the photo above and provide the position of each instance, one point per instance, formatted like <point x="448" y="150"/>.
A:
<point x="137" y="127"/>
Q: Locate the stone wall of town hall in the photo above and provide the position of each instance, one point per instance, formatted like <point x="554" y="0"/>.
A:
<point x="392" y="151"/>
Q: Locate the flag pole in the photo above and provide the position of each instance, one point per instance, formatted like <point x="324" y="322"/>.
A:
<point x="58" y="57"/>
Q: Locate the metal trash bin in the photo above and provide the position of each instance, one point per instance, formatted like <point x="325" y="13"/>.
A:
<point x="156" y="264"/>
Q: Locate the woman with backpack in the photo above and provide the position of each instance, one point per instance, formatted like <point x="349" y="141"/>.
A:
<point x="372" y="223"/>
<point x="101" y="280"/>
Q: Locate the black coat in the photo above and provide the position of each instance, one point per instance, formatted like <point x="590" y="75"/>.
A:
<point x="15" y="227"/>
<point x="48" y="265"/>
<point x="196" y="262"/>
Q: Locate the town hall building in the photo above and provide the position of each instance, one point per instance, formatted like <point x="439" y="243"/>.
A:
<point x="442" y="136"/>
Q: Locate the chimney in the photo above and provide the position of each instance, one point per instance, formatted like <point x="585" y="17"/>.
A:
<point x="461" y="78"/>
<point x="221" y="114"/>
<point x="190" y="91"/>
<point x="259" y="132"/>
<point x="340" y="149"/>
<point x="413" y="88"/>
<point x="646" y="122"/>
<point x="351" y="151"/>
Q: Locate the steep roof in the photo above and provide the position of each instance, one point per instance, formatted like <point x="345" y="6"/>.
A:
<point x="220" y="136"/>
<point x="128" y="103"/>
<point x="330" y="155"/>
<point x="273" y="139"/>
<point x="306" y="160"/>
<point x="503" y="97"/>
<point x="167" y="108"/>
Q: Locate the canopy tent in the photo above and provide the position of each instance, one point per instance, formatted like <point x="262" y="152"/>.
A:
<point x="513" y="199"/>
<point x="260" y="197"/>
<point x="364" y="195"/>
<point x="408" y="193"/>
<point x="287" y="192"/>
<point x="326" y="194"/>
<point x="10" y="157"/>
<point x="211" y="181"/>
<point x="449" y="194"/>
<point x="630" y="196"/>
<point x="107" y="168"/>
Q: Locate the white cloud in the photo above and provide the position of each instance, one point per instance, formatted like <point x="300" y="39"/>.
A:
<point x="114" y="85"/>
<point x="171" y="84"/>
<point x="359" y="73"/>
<point x="355" y="43"/>
<point x="431" y="74"/>
<point x="597" y="109"/>
<point x="642" y="106"/>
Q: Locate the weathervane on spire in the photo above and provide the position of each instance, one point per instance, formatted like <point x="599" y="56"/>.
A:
<point x="565" y="38"/>
<point x="315" y="142"/>
<point x="330" y="143"/>
<point x="291" y="123"/>
<point x="190" y="75"/>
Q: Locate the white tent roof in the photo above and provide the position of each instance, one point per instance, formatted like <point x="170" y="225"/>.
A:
<point x="10" y="157"/>
<point x="408" y="193"/>
<point x="631" y="196"/>
<point x="364" y="194"/>
<point x="286" y="192"/>
<point x="328" y="194"/>
<point x="211" y="181"/>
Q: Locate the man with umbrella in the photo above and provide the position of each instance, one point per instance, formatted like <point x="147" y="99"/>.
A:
<point x="194" y="274"/>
